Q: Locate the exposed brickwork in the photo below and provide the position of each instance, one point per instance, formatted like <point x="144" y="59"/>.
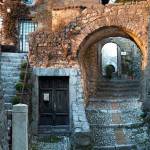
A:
<point x="120" y="138"/>
<point x="116" y="119"/>
<point x="114" y="106"/>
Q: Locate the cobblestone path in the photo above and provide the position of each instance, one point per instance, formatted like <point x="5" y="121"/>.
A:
<point x="116" y="122"/>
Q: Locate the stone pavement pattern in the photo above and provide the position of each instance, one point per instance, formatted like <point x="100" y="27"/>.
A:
<point x="50" y="142"/>
<point x="115" y="121"/>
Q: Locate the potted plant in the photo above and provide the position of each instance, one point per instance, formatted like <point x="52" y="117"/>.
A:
<point x="109" y="69"/>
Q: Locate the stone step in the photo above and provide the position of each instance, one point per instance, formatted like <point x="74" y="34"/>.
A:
<point x="8" y="106"/>
<point x="137" y="135"/>
<point x="112" y="137"/>
<point x="8" y="78"/>
<point x="51" y="130"/>
<point x="10" y="85"/>
<point x="119" y="84"/>
<point x="108" y="118"/>
<point x="117" y="94"/>
<point x="116" y="147"/>
<point x="10" y="91"/>
<point x="119" y="104"/>
<point x="119" y="89"/>
<point x="8" y="64"/>
<point x="10" y="60"/>
<point x="120" y="81"/>
<point x="12" y="54"/>
<point x="110" y="100"/>
<point x="10" y="73"/>
<point x="10" y="68"/>
<point x="8" y="98"/>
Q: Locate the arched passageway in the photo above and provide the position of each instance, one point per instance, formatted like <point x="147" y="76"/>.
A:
<point x="108" y="100"/>
<point x="90" y="57"/>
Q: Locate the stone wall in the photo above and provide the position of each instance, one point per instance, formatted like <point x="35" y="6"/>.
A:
<point x="92" y="19"/>
<point x="68" y="47"/>
<point x="133" y="53"/>
<point x="63" y="3"/>
<point x="62" y="17"/>
<point x="92" y="69"/>
<point x="3" y="123"/>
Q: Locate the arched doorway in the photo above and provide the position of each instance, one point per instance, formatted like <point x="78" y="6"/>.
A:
<point x="122" y="53"/>
<point x="89" y="54"/>
<point x="111" y="55"/>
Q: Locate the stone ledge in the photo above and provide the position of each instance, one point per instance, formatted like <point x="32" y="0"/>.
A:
<point x="128" y="126"/>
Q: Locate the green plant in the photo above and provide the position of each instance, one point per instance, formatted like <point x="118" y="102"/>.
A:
<point x="23" y="64"/>
<point x="16" y="100"/>
<point x="22" y="76"/>
<point x="19" y="86"/>
<point x="109" y="69"/>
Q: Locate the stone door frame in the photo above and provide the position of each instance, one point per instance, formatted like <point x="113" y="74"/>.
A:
<point x="71" y="73"/>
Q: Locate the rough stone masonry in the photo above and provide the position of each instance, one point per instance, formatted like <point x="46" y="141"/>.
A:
<point x="3" y="123"/>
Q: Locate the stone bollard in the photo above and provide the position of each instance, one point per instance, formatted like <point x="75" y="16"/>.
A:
<point x="20" y="127"/>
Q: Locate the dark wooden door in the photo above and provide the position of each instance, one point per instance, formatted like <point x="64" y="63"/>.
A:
<point x="54" y="101"/>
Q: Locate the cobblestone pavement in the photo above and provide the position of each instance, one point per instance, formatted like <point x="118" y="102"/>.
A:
<point x="116" y="124"/>
<point x="49" y="143"/>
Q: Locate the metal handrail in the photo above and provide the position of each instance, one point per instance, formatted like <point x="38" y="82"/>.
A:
<point x="24" y="81"/>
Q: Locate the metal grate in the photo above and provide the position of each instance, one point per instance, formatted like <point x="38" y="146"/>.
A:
<point x="25" y="27"/>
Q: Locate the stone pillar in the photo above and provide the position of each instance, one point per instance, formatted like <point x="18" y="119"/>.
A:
<point x="20" y="127"/>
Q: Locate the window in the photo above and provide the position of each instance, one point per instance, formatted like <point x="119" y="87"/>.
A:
<point x="28" y="1"/>
<point x="25" y="27"/>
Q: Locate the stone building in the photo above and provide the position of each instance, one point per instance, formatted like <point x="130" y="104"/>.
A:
<point x="65" y="57"/>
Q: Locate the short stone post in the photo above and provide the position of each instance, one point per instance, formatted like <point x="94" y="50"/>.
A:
<point x="20" y="127"/>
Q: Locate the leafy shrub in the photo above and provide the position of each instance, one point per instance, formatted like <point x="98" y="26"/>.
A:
<point x="19" y="86"/>
<point x="16" y="100"/>
<point x="23" y="64"/>
<point x="22" y="75"/>
<point x="109" y="69"/>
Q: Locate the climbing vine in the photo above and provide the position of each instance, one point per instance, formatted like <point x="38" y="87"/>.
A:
<point x="16" y="10"/>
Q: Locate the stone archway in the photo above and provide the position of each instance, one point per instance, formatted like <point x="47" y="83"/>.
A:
<point x="88" y="53"/>
<point x="94" y="24"/>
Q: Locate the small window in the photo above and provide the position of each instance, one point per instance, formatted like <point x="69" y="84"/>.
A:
<point x="25" y="27"/>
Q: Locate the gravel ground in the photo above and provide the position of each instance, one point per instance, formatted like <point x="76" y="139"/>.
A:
<point x="49" y="143"/>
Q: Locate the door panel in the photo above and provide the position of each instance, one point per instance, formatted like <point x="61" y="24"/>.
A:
<point x="54" y="101"/>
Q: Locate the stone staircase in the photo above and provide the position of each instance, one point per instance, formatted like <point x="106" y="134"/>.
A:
<point x="115" y="119"/>
<point x="10" y="70"/>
